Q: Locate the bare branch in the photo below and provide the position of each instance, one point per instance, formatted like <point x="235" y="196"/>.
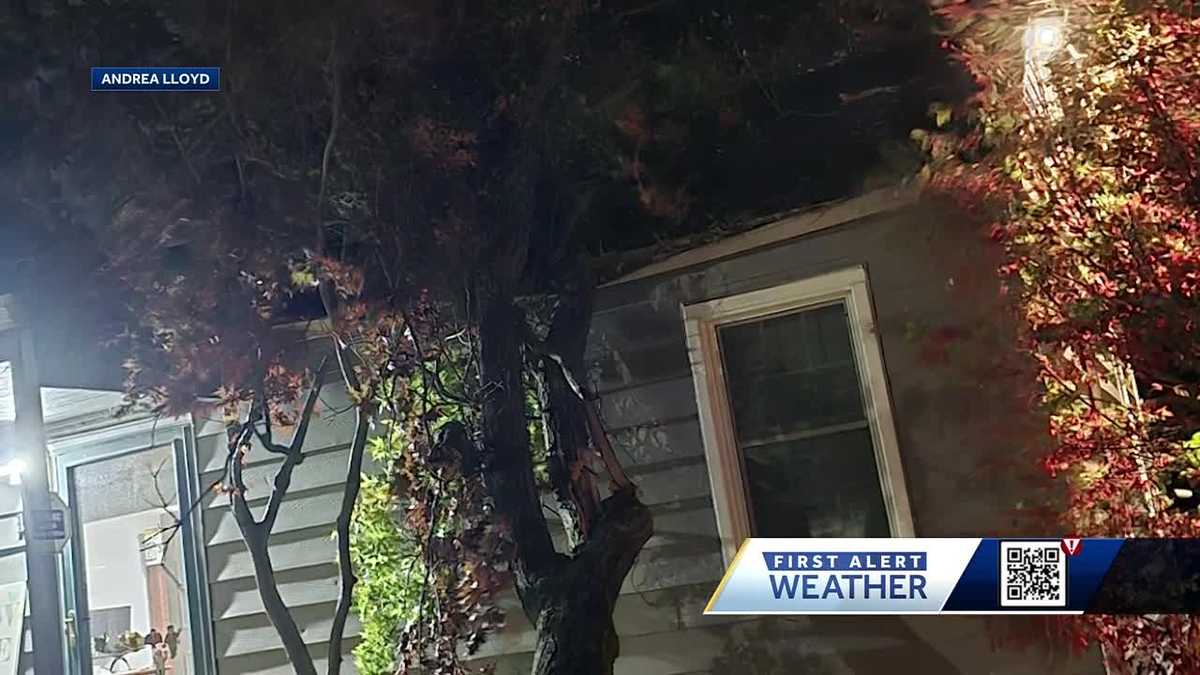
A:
<point x="295" y="453"/>
<point x="310" y="404"/>
<point x="163" y="503"/>
<point x="325" y="288"/>
<point x="279" y="488"/>
<point x="264" y="436"/>
<point x="346" y="576"/>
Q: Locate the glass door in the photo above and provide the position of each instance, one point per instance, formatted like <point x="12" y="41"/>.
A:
<point x="130" y="572"/>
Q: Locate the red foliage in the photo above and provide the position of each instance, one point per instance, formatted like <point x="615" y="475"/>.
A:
<point x="1091" y="181"/>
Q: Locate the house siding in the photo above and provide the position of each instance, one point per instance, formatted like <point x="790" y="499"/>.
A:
<point x="918" y="260"/>
<point x="929" y="275"/>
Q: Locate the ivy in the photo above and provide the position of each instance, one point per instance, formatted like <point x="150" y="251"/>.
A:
<point x="389" y="572"/>
<point x="428" y="553"/>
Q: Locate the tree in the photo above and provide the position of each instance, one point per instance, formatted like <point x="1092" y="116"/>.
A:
<point x="1084" y="161"/>
<point x="432" y="180"/>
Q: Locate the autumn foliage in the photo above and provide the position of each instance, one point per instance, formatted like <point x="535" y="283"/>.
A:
<point x="1083" y="160"/>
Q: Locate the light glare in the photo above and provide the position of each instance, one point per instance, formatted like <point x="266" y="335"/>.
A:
<point x="1048" y="37"/>
<point x="13" y="470"/>
<point x="1044" y="36"/>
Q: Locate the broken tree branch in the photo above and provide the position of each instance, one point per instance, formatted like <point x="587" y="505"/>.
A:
<point x="595" y="427"/>
<point x="564" y="417"/>
<point x="164" y="504"/>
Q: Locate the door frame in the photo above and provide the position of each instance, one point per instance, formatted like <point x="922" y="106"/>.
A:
<point x="70" y="452"/>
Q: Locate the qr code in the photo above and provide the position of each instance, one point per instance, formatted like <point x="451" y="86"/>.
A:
<point x="1032" y="574"/>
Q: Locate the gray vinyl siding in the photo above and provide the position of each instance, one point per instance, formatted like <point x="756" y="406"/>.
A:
<point x="302" y="549"/>
<point x="639" y="363"/>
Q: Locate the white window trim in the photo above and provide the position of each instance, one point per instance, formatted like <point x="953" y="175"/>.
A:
<point x="716" y="423"/>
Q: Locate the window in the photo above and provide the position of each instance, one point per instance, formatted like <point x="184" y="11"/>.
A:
<point x="794" y="413"/>
<point x="126" y="567"/>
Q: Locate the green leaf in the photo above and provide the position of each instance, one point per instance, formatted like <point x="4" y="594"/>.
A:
<point x="1193" y="443"/>
<point x="941" y="114"/>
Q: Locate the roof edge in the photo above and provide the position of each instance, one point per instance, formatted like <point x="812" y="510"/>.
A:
<point x="780" y="229"/>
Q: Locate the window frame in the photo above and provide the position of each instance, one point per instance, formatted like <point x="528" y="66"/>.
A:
<point x="725" y="469"/>
<point x="69" y="452"/>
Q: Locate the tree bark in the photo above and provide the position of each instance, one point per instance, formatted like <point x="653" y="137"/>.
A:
<point x="346" y="576"/>
<point x="569" y="600"/>
<point x="256" y="534"/>
<point x="274" y="607"/>
<point x="508" y="464"/>
<point x="575" y="630"/>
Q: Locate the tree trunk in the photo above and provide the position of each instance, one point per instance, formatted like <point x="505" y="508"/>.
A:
<point x="276" y="610"/>
<point x="508" y="464"/>
<point x="569" y="600"/>
<point x="563" y="411"/>
<point x="575" y="630"/>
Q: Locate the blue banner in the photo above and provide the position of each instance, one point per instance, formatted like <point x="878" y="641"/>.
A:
<point x="961" y="576"/>
<point x="156" y="79"/>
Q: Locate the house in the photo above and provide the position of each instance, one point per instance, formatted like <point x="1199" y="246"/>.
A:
<point x="847" y="370"/>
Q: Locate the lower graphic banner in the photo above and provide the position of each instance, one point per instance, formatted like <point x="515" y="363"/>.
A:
<point x="961" y="576"/>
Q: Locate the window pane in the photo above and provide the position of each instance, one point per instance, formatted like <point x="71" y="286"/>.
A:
<point x="791" y="373"/>
<point x="801" y="426"/>
<point x="137" y="593"/>
<point x="817" y="487"/>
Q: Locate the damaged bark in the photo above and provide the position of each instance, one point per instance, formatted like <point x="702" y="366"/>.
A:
<point x="567" y="430"/>
<point x="575" y="629"/>
<point x="569" y="598"/>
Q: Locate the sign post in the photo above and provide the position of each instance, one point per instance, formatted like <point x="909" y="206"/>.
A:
<point x="52" y="524"/>
<point x="41" y="555"/>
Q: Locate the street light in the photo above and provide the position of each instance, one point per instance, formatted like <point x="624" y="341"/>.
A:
<point x="1044" y="38"/>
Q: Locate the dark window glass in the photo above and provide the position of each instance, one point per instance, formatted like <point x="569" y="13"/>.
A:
<point x="801" y="426"/>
